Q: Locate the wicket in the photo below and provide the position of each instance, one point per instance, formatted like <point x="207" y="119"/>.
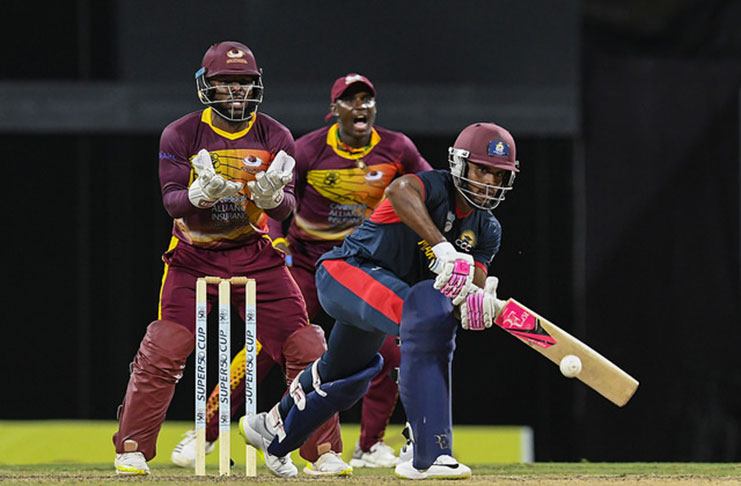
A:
<point x="224" y="360"/>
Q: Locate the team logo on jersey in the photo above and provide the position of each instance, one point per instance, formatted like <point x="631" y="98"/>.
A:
<point x="498" y="148"/>
<point x="466" y="241"/>
<point x="252" y="161"/>
<point x="332" y="179"/>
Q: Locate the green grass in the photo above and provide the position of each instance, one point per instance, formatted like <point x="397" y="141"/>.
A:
<point x="81" y="452"/>
<point x="72" y="441"/>
<point x="546" y="474"/>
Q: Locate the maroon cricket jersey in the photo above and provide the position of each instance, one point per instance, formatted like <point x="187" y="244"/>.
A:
<point x="338" y="186"/>
<point x="233" y="221"/>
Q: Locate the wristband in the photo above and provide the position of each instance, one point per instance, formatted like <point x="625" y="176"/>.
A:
<point x="442" y="249"/>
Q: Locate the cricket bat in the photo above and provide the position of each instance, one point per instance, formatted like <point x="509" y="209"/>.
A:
<point x="597" y="372"/>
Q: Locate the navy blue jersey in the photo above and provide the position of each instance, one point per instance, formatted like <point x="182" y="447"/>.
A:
<point x="384" y="240"/>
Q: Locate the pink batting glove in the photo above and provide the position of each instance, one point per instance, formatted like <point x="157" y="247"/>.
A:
<point x="472" y="312"/>
<point x="457" y="280"/>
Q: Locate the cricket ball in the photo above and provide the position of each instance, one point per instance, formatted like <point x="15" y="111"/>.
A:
<point x="570" y="366"/>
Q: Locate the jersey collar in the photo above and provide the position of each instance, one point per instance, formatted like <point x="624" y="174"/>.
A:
<point x="207" y="118"/>
<point x="344" y="150"/>
<point x="459" y="211"/>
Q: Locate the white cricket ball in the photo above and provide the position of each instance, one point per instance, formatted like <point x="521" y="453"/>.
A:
<point x="570" y="366"/>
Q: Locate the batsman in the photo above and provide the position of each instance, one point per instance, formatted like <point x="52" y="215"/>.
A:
<point x="416" y="268"/>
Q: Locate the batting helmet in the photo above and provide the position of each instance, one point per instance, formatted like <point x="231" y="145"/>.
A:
<point x="486" y="144"/>
<point x="235" y="59"/>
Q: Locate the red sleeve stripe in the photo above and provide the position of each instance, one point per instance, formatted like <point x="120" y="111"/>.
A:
<point x="385" y="213"/>
<point x="370" y="290"/>
<point x="482" y="267"/>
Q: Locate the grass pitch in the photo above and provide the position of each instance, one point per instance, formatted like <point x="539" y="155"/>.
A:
<point x="75" y="452"/>
<point x="536" y="474"/>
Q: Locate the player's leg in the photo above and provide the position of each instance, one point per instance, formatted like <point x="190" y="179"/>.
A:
<point x="378" y="406"/>
<point x="157" y="368"/>
<point x="287" y="337"/>
<point x="344" y="370"/>
<point x="380" y="295"/>
<point x="323" y="447"/>
<point x="366" y="301"/>
<point x="428" y="330"/>
<point x="333" y="383"/>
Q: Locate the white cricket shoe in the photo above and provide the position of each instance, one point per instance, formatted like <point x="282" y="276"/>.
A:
<point x="406" y="453"/>
<point x="328" y="464"/>
<point x="379" y="455"/>
<point x="184" y="454"/>
<point x="254" y="431"/>
<point x="131" y="464"/>
<point x="444" y="467"/>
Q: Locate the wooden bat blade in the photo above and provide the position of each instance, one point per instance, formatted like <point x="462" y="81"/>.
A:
<point x="598" y="373"/>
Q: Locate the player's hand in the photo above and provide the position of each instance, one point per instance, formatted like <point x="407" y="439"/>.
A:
<point x="267" y="188"/>
<point x="480" y="308"/>
<point x="209" y="187"/>
<point x="454" y="272"/>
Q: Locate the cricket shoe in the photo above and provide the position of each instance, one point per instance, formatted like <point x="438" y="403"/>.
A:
<point x="328" y="464"/>
<point x="254" y="431"/>
<point x="379" y="455"/>
<point x="131" y="464"/>
<point x="444" y="467"/>
<point x="406" y="453"/>
<point x="184" y="454"/>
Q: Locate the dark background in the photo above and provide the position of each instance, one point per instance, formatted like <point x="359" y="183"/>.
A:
<point x="623" y="227"/>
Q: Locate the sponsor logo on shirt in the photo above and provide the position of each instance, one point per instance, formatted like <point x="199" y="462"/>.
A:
<point x="466" y="241"/>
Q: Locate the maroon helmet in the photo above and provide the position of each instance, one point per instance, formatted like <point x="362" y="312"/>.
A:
<point x="486" y="144"/>
<point x="234" y="59"/>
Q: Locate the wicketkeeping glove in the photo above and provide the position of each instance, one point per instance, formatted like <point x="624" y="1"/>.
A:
<point x="454" y="272"/>
<point x="267" y="188"/>
<point x="480" y="308"/>
<point x="209" y="187"/>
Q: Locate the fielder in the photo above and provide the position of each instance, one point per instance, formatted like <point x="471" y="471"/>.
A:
<point x="223" y="171"/>
<point x="423" y="252"/>
<point x="341" y="173"/>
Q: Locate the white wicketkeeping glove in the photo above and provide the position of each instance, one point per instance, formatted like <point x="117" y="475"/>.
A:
<point x="209" y="187"/>
<point x="267" y="188"/>
<point x="454" y="272"/>
<point x="480" y="308"/>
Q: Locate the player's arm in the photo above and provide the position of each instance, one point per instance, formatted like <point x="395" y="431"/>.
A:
<point x="272" y="190"/>
<point x="455" y="270"/>
<point x="174" y="174"/>
<point x="209" y="187"/>
<point x="479" y="277"/>
<point x="406" y="195"/>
